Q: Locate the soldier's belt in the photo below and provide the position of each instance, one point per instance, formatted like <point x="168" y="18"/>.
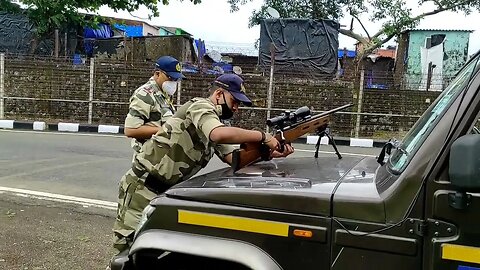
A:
<point x="153" y="184"/>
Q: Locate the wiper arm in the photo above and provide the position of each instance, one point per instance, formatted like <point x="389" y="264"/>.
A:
<point x="387" y="149"/>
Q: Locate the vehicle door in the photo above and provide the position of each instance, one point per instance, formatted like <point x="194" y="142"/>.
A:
<point x="452" y="202"/>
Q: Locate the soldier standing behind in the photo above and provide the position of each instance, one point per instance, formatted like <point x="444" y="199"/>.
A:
<point x="151" y="104"/>
<point x="182" y="146"/>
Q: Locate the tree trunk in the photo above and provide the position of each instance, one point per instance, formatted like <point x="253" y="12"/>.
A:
<point x="33" y="44"/>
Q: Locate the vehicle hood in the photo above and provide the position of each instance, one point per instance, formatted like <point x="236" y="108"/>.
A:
<point x="300" y="185"/>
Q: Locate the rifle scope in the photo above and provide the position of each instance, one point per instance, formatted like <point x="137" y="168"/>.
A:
<point x="289" y="117"/>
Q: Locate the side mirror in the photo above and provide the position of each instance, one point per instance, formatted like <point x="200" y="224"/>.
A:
<point x="464" y="168"/>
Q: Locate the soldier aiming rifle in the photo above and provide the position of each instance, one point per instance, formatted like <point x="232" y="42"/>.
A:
<point x="288" y="127"/>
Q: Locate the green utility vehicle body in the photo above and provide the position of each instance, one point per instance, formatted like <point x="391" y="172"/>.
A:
<point x="419" y="208"/>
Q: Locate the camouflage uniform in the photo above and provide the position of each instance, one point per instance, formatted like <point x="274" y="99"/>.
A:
<point x="178" y="151"/>
<point x="149" y="105"/>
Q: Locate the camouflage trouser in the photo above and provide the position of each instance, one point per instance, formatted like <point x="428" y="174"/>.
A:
<point x="133" y="197"/>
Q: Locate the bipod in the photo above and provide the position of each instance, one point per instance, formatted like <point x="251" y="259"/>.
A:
<point x="326" y="132"/>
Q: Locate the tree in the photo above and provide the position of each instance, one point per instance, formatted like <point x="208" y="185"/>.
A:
<point x="394" y="15"/>
<point x="47" y="15"/>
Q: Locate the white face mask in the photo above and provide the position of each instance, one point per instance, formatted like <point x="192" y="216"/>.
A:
<point x="170" y="87"/>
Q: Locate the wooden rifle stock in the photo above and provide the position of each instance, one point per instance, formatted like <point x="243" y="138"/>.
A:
<point x="253" y="152"/>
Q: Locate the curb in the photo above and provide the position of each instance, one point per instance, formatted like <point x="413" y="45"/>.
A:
<point x="113" y="129"/>
<point x="60" y="127"/>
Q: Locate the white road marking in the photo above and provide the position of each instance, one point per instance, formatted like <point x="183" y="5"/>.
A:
<point x="85" y="202"/>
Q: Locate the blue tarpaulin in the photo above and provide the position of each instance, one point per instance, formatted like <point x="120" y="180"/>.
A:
<point x="200" y="44"/>
<point x="103" y="31"/>
<point x="130" y="30"/>
<point x="350" y="54"/>
<point x="90" y="34"/>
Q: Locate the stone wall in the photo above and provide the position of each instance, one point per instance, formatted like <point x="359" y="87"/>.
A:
<point x="57" y="90"/>
<point x="134" y="50"/>
<point x="35" y="88"/>
<point x="406" y="105"/>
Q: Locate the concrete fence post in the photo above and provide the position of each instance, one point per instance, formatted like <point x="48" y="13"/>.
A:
<point x="2" y="85"/>
<point x="270" y="84"/>
<point x="360" y="102"/>
<point x="179" y="93"/>
<point x="90" y="97"/>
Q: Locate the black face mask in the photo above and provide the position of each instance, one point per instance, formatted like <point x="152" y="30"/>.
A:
<point x="227" y="113"/>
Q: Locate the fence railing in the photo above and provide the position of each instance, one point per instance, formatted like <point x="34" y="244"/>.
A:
<point x="98" y="90"/>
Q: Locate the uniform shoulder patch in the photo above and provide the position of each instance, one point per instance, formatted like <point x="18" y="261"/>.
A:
<point x="149" y="89"/>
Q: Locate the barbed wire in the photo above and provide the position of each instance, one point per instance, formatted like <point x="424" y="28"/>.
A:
<point x="247" y="49"/>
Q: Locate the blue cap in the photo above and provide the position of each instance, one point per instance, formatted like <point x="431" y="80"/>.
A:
<point x="171" y="66"/>
<point x="233" y="84"/>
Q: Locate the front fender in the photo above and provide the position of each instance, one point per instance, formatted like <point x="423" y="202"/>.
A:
<point x="205" y="246"/>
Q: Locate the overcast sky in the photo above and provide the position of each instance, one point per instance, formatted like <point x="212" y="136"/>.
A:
<point x="212" y="21"/>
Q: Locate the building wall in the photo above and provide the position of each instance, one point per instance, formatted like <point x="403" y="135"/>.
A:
<point x="149" y="30"/>
<point x="455" y="54"/>
<point x="163" y="32"/>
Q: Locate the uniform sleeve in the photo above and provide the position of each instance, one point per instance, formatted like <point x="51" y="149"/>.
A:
<point x="204" y="117"/>
<point x="221" y="150"/>
<point x="166" y="108"/>
<point x="139" y="109"/>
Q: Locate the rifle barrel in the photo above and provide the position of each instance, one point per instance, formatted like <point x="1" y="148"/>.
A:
<point x="332" y="110"/>
<point x="318" y="116"/>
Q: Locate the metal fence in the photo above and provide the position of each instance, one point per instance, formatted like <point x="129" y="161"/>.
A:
<point x="96" y="91"/>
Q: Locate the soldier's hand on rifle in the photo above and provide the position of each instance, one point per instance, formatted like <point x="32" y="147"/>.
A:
<point x="287" y="150"/>
<point x="271" y="142"/>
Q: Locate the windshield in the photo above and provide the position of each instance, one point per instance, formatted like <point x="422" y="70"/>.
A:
<point x="427" y="122"/>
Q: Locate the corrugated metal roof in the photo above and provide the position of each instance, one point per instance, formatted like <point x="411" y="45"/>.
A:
<point x="440" y="30"/>
<point x="385" y="53"/>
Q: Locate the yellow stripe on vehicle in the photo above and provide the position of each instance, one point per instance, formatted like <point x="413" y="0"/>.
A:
<point x="461" y="253"/>
<point x="233" y="223"/>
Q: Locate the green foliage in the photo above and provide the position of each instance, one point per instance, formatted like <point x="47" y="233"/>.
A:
<point x="319" y="9"/>
<point x="7" y="6"/>
<point x="50" y="14"/>
<point x="393" y="15"/>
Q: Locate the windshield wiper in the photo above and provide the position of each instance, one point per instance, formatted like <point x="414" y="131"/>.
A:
<point x="387" y="149"/>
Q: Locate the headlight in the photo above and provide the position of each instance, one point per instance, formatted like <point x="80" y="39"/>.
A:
<point x="145" y="215"/>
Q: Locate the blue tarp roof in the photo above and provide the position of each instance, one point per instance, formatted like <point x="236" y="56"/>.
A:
<point x="350" y="54"/>
<point x="103" y="31"/>
<point x="130" y="30"/>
